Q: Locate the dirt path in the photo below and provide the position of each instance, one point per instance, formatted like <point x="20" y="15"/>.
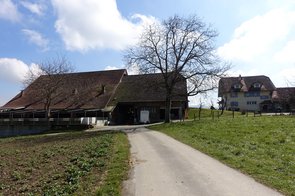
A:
<point x="163" y="166"/>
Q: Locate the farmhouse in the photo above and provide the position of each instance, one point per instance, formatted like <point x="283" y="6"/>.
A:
<point x="99" y="97"/>
<point x="254" y="93"/>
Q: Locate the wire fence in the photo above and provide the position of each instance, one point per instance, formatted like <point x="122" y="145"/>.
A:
<point x="198" y="114"/>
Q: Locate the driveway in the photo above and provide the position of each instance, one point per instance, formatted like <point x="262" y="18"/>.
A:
<point x="163" y="166"/>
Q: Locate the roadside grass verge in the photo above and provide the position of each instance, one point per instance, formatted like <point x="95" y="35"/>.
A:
<point x="117" y="170"/>
<point x="64" y="164"/>
<point x="262" y="147"/>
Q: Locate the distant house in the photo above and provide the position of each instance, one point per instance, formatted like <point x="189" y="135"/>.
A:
<point x="97" y="98"/>
<point x="250" y="93"/>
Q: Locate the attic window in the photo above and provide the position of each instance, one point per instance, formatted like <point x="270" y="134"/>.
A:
<point x="257" y="85"/>
<point x="237" y="86"/>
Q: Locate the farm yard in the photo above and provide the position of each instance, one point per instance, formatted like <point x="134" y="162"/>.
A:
<point x="96" y="163"/>
<point x="97" y="98"/>
<point x="64" y="164"/>
<point x="262" y="147"/>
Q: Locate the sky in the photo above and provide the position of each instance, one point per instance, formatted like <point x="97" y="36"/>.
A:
<point x="256" y="36"/>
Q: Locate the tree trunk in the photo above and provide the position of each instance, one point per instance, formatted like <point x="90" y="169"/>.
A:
<point x="223" y="104"/>
<point x="222" y="110"/>
<point x="168" y="109"/>
<point x="47" y="116"/>
<point x="47" y="111"/>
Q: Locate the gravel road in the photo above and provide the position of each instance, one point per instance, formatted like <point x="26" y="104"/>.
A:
<point x="163" y="166"/>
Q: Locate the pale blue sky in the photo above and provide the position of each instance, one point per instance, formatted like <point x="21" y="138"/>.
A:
<point x="257" y="36"/>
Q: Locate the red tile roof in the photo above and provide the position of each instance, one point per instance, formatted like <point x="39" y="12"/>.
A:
<point x="226" y="84"/>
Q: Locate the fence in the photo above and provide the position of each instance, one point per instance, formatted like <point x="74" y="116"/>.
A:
<point x="25" y="126"/>
<point x="198" y="114"/>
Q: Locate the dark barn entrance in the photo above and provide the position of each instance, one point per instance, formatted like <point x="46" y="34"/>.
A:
<point x="124" y="114"/>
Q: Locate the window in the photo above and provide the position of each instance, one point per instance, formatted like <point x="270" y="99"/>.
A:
<point x="252" y="94"/>
<point x="264" y="97"/>
<point x="256" y="85"/>
<point x="237" y="86"/>
<point x="234" y="104"/>
<point x="251" y="102"/>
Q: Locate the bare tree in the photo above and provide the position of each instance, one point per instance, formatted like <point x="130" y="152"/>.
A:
<point x="48" y="80"/>
<point x="222" y="105"/>
<point x="179" y="48"/>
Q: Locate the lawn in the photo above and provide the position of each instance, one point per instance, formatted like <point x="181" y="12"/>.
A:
<point x="65" y="164"/>
<point x="263" y="147"/>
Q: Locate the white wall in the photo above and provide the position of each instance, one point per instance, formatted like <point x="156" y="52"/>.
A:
<point x="242" y="100"/>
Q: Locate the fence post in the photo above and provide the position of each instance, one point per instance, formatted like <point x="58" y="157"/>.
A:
<point x="233" y="114"/>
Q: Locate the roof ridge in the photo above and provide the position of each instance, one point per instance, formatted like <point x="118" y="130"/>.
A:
<point x="88" y="72"/>
<point x="286" y="87"/>
<point x="146" y="74"/>
<point x="246" y="76"/>
<point x="115" y="89"/>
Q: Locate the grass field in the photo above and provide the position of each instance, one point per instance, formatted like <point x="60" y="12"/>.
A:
<point x="65" y="164"/>
<point x="263" y="147"/>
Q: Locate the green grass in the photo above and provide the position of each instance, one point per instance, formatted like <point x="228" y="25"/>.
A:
<point x="64" y="164"/>
<point x="263" y="147"/>
<point x="118" y="169"/>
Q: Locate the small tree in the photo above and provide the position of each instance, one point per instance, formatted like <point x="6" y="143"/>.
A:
<point x="48" y="79"/>
<point x="179" y="48"/>
<point x="222" y="105"/>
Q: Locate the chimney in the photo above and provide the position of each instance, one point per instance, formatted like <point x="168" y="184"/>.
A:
<point x="103" y="89"/>
<point x="75" y="91"/>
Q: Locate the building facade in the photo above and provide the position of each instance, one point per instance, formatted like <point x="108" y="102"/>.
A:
<point x="250" y="93"/>
<point x="101" y="97"/>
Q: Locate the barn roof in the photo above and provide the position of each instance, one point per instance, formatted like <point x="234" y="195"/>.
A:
<point x="84" y="90"/>
<point x="147" y="88"/>
<point x="94" y="90"/>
